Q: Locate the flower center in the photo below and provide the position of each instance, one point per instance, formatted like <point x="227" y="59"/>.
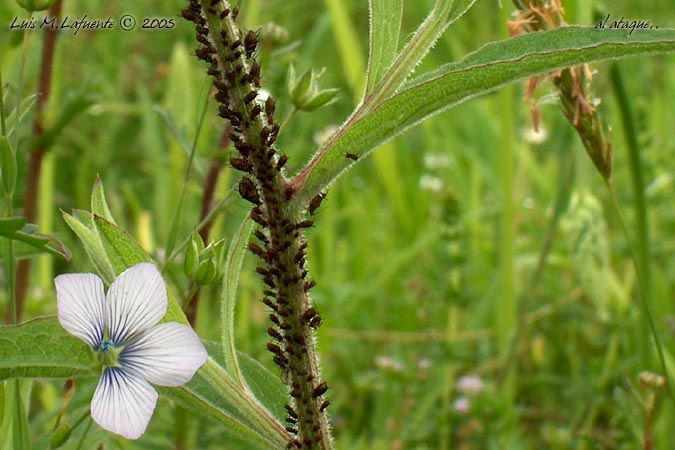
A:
<point x="108" y="354"/>
<point x="106" y="345"/>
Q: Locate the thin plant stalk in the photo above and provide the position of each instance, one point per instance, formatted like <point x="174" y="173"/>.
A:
<point x="37" y="154"/>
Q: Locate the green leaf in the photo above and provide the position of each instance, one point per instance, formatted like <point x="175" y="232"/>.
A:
<point x="385" y="26"/>
<point x="213" y="394"/>
<point x="42" y="348"/>
<point x="235" y="257"/>
<point x="122" y="250"/>
<point x="17" y="229"/>
<point x="265" y="386"/>
<point x="82" y="224"/>
<point x="444" y="13"/>
<point x="490" y="67"/>
<point x="99" y="204"/>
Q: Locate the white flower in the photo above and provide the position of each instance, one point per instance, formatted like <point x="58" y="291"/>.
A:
<point x="470" y="384"/>
<point x="120" y="327"/>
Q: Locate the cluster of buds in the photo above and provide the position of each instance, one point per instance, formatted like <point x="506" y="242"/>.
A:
<point x="203" y="265"/>
<point x="279" y="243"/>
<point x="305" y="93"/>
<point x="573" y="85"/>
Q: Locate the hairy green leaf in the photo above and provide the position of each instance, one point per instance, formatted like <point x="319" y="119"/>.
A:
<point x="385" y="25"/>
<point x="488" y="68"/>
<point x="444" y="13"/>
<point x="82" y="224"/>
<point x="121" y="248"/>
<point x="99" y="204"/>
<point x="42" y="348"/>
<point x="231" y="404"/>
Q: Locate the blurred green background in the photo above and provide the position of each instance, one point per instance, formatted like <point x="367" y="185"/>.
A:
<point x="476" y="288"/>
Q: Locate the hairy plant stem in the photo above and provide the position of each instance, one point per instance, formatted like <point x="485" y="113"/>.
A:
<point x="229" y="53"/>
<point x="37" y="154"/>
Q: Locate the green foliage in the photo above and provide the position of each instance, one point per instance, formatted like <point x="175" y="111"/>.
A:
<point x="407" y="248"/>
<point x="16" y="229"/>
<point x="483" y="71"/>
<point x="42" y="348"/>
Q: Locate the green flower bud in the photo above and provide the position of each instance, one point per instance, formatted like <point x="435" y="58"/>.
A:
<point x="305" y="93"/>
<point x="203" y="265"/>
<point x="35" y="5"/>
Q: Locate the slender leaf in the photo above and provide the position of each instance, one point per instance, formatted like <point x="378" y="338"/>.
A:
<point x="16" y="229"/>
<point x="99" y="204"/>
<point x="385" y="25"/>
<point x="445" y="12"/>
<point x="235" y="257"/>
<point x="82" y="224"/>
<point x="490" y="67"/>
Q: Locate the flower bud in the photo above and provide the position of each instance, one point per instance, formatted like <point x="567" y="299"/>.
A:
<point x="305" y="93"/>
<point x="35" y="5"/>
<point x="203" y="265"/>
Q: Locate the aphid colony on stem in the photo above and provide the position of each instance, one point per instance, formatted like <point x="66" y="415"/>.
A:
<point x="229" y="53"/>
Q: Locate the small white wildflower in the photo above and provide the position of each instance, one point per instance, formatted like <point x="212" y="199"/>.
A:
<point x="120" y="327"/>
<point x="436" y="160"/>
<point x="462" y="405"/>
<point x="424" y="364"/>
<point x="431" y="183"/>
<point x="470" y="384"/>
<point x="384" y="362"/>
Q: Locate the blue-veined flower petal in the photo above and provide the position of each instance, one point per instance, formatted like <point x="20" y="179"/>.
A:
<point x="80" y="304"/>
<point x="123" y="403"/>
<point x="167" y="355"/>
<point x="136" y="301"/>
